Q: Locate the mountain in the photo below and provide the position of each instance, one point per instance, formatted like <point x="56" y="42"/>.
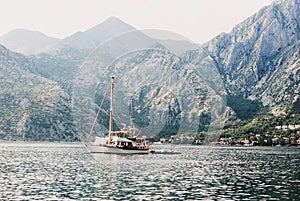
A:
<point x="258" y="62"/>
<point x="27" y="42"/>
<point x="33" y="42"/>
<point x="61" y="61"/>
<point x="32" y="107"/>
<point x="93" y="37"/>
<point x="259" y="58"/>
<point x="178" y="46"/>
<point x="177" y="87"/>
<point x="158" y="80"/>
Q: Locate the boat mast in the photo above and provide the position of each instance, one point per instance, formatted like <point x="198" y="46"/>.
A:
<point x="131" y="119"/>
<point x="110" y="129"/>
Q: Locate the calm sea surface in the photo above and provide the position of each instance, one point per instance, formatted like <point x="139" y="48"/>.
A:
<point x="56" y="171"/>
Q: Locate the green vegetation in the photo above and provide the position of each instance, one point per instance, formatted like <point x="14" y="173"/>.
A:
<point x="263" y="129"/>
<point x="273" y="130"/>
<point x="204" y="122"/>
<point x="295" y="109"/>
<point x="245" y="109"/>
<point x="141" y="117"/>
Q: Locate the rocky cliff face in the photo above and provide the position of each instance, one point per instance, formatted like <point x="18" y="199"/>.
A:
<point x="173" y="92"/>
<point x="259" y="58"/>
<point x="32" y="107"/>
<point x="170" y="94"/>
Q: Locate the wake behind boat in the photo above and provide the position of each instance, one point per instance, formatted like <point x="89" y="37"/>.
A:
<point x="117" y="142"/>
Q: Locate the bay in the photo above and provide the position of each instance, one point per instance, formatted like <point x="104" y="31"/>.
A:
<point x="66" y="171"/>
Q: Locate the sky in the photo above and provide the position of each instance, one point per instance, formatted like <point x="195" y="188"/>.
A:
<point x="197" y="20"/>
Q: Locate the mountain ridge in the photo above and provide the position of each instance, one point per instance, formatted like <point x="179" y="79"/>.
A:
<point x="255" y="64"/>
<point x="87" y="40"/>
<point x="32" y="107"/>
<point x="249" y="55"/>
<point x="27" y="41"/>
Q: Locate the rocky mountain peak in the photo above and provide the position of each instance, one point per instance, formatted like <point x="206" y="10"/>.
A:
<point x="254" y="55"/>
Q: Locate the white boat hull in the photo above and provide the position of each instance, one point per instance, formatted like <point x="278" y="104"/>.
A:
<point x="114" y="150"/>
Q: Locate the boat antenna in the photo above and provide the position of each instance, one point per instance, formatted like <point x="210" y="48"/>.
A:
<point x="131" y="119"/>
<point x="110" y="129"/>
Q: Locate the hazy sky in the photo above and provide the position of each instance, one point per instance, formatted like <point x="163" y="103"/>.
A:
<point x="198" y="20"/>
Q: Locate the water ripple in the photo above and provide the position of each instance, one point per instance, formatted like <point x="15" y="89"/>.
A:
<point x="54" y="171"/>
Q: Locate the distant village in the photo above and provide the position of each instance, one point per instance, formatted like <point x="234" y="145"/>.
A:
<point x="265" y="139"/>
<point x="252" y="139"/>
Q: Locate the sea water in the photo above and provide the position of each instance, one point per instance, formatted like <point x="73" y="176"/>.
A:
<point x="66" y="171"/>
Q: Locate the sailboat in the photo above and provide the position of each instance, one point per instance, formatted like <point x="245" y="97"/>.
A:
<point x="118" y="142"/>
